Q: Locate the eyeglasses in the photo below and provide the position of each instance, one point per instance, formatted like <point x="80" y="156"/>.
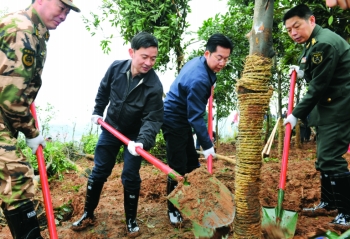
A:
<point x="221" y="59"/>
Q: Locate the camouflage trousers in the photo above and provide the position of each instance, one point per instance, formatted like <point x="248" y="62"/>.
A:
<point x="16" y="174"/>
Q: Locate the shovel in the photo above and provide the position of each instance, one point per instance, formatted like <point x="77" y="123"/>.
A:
<point x="281" y="220"/>
<point x="213" y="211"/>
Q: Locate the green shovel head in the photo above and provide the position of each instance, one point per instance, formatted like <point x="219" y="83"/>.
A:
<point x="205" y="201"/>
<point x="286" y="224"/>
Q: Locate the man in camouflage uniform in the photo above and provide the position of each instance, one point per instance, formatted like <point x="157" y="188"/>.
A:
<point x="23" y="37"/>
<point x="325" y="64"/>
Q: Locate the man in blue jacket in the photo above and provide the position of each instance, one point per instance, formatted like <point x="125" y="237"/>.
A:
<point x="134" y="94"/>
<point x="184" y="107"/>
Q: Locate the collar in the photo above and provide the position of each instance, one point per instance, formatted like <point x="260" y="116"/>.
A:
<point x="211" y="74"/>
<point x="312" y="39"/>
<point x="127" y="68"/>
<point x="40" y="29"/>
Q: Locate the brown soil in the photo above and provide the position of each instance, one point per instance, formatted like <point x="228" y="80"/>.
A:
<point x="302" y="190"/>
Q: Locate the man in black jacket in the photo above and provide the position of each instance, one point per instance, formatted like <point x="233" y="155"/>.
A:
<point x="134" y="94"/>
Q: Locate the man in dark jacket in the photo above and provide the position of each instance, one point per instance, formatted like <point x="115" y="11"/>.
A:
<point x="325" y="65"/>
<point x="184" y="107"/>
<point x="134" y="94"/>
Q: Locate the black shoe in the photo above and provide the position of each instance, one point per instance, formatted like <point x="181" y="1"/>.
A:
<point x="131" y="198"/>
<point x="321" y="205"/>
<point x="133" y="228"/>
<point x="78" y="224"/>
<point x="93" y="192"/>
<point x="174" y="214"/>
<point x="175" y="217"/>
<point x="342" y="219"/>
<point x="321" y="209"/>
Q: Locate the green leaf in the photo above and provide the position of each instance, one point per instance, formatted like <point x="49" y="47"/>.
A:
<point x="330" y="20"/>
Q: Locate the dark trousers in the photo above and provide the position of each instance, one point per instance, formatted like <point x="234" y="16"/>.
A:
<point x="305" y="133"/>
<point x="181" y="153"/>
<point x="198" y="146"/>
<point x="332" y="143"/>
<point x="106" y="151"/>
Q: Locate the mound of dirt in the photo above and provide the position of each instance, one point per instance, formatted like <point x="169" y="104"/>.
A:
<point x="302" y="190"/>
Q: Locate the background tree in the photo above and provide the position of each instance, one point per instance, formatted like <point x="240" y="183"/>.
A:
<point x="166" y="20"/>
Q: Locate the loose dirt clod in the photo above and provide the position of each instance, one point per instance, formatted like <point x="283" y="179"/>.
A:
<point x="86" y="223"/>
<point x="205" y="201"/>
<point x="274" y="232"/>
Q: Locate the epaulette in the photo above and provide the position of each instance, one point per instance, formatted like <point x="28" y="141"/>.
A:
<point x="313" y="41"/>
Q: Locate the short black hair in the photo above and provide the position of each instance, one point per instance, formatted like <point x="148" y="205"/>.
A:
<point x="219" y="39"/>
<point x="143" y="39"/>
<point x="300" y="10"/>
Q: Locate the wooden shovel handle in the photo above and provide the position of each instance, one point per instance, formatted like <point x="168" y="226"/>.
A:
<point x="219" y="156"/>
<point x="267" y="148"/>
<point x="272" y="136"/>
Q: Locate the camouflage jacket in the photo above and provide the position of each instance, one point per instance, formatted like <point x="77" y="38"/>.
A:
<point x="23" y="38"/>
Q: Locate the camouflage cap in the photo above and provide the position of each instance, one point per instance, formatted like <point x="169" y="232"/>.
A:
<point x="71" y="5"/>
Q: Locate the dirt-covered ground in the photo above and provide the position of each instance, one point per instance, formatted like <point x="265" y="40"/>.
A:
<point x="302" y="190"/>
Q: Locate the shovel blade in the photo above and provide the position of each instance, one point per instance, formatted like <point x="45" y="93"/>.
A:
<point x="287" y="223"/>
<point x="206" y="201"/>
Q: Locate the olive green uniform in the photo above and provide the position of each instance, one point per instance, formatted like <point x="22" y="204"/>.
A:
<point x="326" y="64"/>
<point x="23" y="39"/>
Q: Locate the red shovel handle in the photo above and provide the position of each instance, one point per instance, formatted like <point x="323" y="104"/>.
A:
<point x="210" y="129"/>
<point x="143" y="153"/>
<point x="288" y="133"/>
<point x="44" y="183"/>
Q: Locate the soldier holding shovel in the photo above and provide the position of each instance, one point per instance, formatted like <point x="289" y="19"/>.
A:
<point x="325" y="64"/>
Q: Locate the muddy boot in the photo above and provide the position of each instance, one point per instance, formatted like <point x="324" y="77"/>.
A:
<point x="326" y="207"/>
<point x="340" y="184"/>
<point x="131" y="199"/>
<point x="23" y="222"/>
<point x="173" y="213"/>
<point x="93" y="193"/>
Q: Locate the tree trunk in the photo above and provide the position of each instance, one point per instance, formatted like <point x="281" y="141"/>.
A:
<point x="253" y="99"/>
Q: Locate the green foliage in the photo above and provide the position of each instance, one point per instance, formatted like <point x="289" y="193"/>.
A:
<point x="166" y="20"/>
<point x="274" y="160"/>
<point x="64" y="212"/>
<point x="89" y="143"/>
<point x="159" y="150"/>
<point x="56" y="154"/>
<point x="231" y="140"/>
<point x="45" y="116"/>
